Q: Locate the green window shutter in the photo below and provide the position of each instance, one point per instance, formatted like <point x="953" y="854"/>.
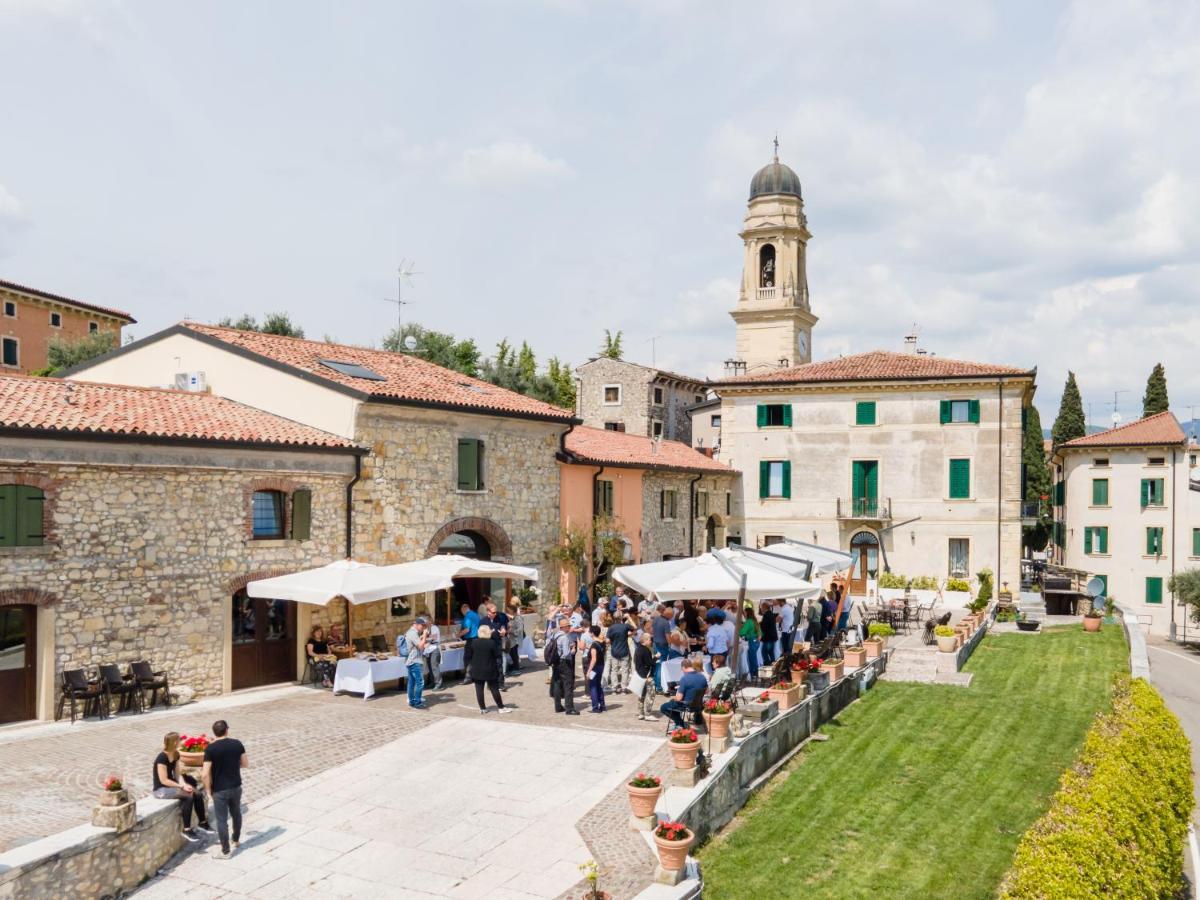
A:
<point x="1145" y="492"/>
<point x="787" y="478"/>
<point x="858" y="479"/>
<point x="468" y="464"/>
<point x="787" y="415"/>
<point x="1196" y="542"/>
<point x="945" y="412"/>
<point x="762" y="415"/>
<point x="1087" y="541"/>
<point x="960" y="479"/>
<point x="301" y="515"/>
<point x="1099" y="492"/>
<point x="764" y="478"/>
<point x="1154" y="589"/>
<point x="1060" y="493"/>
<point x="864" y="412"/>
<point x="1102" y="533"/>
<point x="1104" y="579"/>
<point x="30" y="501"/>
<point x="973" y="411"/>
<point x="662" y="504"/>
<point x="8" y="515"/>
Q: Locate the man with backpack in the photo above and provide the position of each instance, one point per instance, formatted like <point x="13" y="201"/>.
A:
<point x="560" y="656"/>
<point x="411" y="647"/>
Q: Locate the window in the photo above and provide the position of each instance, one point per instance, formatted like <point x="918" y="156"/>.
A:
<point x="1152" y="492"/>
<point x="21" y="509"/>
<point x="1154" y="590"/>
<point x="1156" y="461"/>
<point x="10" y="355"/>
<point x="772" y="539"/>
<point x="1192" y="460"/>
<point x="658" y="395"/>
<point x="1196" y="542"/>
<point x="1100" y="462"/>
<point x="774" y="415"/>
<point x="728" y="503"/>
<point x="614" y="426"/>
<point x="10" y="309"/>
<point x="354" y="370"/>
<point x="1154" y="541"/>
<point x="93" y="327"/>
<point x="612" y="394"/>
<point x="864" y="412"/>
<point x="960" y="557"/>
<point x="656" y="428"/>
<point x="1099" y="492"/>
<point x="667" y="504"/>
<point x="1095" y="540"/>
<point x="1060" y="493"/>
<point x="470" y="464"/>
<point x="301" y="515"/>
<point x="604" y="497"/>
<point x="960" y="411"/>
<point x="774" y="478"/>
<point x="699" y="398"/>
<point x="268" y="514"/>
<point x="701" y="503"/>
<point x="960" y="479"/>
<point x="55" y="320"/>
<point x="715" y="421"/>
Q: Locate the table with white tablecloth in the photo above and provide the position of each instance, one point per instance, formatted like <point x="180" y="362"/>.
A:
<point x="361" y="675"/>
<point x="452" y="659"/>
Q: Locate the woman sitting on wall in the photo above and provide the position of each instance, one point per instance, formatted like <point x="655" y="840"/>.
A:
<point x="170" y="786"/>
<point x="319" y="657"/>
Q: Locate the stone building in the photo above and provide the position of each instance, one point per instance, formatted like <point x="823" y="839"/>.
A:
<point x="706" y="426"/>
<point x="453" y="464"/>
<point x="624" y="396"/>
<point x="663" y="498"/>
<point x="1126" y="511"/>
<point x="30" y="319"/>
<point x="130" y="521"/>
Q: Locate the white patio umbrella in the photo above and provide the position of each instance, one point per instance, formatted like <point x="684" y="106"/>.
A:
<point x="439" y="572"/>
<point x="795" y="556"/>
<point x="356" y="581"/>
<point x="714" y="576"/>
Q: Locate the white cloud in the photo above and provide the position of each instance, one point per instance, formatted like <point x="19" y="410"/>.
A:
<point x="505" y="164"/>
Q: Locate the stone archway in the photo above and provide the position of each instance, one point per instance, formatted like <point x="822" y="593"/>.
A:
<point x="497" y="537"/>
<point x="27" y="597"/>
<point x="714" y="532"/>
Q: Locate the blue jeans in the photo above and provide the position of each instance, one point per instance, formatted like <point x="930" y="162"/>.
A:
<point x="660" y="652"/>
<point x="674" y="710"/>
<point x="768" y="653"/>
<point x="752" y="658"/>
<point x="416" y="684"/>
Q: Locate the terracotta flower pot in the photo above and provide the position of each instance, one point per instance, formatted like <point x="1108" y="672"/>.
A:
<point x="718" y="724"/>
<point x="684" y="754"/>
<point x="643" y="800"/>
<point x="1091" y="623"/>
<point x="856" y="658"/>
<point x="191" y="758"/>
<point x="874" y="647"/>
<point x="672" y="855"/>
<point x="786" y="698"/>
<point x="834" y="669"/>
<point x="947" y="643"/>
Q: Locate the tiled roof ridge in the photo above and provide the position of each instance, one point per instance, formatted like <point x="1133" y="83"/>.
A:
<point x="676" y="375"/>
<point x="840" y="369"/>
<point x="1098" y="437"/>
<point x="640" y="450"/>
<point x="47" y="295"/>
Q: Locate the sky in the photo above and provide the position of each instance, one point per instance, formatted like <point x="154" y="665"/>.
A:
<point x="1017" y="179"/>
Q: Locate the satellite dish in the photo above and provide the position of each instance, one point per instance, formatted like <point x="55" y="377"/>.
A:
<point x="1116" y="419"/>
<point x="1095" y="587"/>
<point x="410" y="343"/>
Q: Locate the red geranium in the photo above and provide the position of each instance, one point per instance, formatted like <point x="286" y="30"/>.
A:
<point x="804" y="664"/>
<point x="764" y="696"/>
<point x="716" y="707"/>
<point x="642" y="780"/>
<point x="113" y="783"/>
<point x="673" y="831"/>
<point x="684" y="736"/>
<point x="194" y="744"/>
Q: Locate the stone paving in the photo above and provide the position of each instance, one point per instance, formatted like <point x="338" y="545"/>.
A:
<point x="482" y="808"/>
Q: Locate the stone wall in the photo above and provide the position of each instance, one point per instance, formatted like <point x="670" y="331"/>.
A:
<point x="142" y="558"/>
<point x="634" y="408"/>
<point x="661" y="537"/>
<point x="89" y="862"/>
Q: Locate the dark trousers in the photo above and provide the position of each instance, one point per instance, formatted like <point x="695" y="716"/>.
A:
<point x="491" y="687"/>
<point x="674" y="710"/>
<point x="188" y="803"/>
<point x="468" y="652"/>
<point x="786" y="641"/>
<point x="228" y="805"/>
<point x="564" y="684"/>
<point x="596" y="693"/>
<point x="768" y="652"/>
<point x="514" y="661"/>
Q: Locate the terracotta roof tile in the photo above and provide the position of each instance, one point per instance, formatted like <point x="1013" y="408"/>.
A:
<point x="80" y="407"/>
<point x="597" y="445"/>
<point x="877" y="365"/>
<point x="401" y="376"/>
<point x="45" y="295"/>
<point x="1162" y="428"/>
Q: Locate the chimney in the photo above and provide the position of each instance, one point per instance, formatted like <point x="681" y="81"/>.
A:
<point x="910" y="342"/>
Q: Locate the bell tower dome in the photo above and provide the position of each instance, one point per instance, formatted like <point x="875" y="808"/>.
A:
<point x="774" y="322"/>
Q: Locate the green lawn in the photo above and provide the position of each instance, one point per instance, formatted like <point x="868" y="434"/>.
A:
<point x="923" y="790"/>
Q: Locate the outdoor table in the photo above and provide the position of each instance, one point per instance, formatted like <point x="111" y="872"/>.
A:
<point x="452" y="659"/>
<point x="527" y="650"/>
<point x="672" y="670"/>
<point x="361" y="675"/>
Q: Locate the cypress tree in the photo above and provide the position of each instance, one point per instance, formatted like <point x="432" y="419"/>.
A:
<point x="1155" y="400"/>
<point x="1070" y="423"/>
<point x="1037" y="479"/>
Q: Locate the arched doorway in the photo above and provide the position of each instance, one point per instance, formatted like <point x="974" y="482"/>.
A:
<point x="864" y="561"/>
<point x="714" y="533"/>
<point x="264" y="641"/>
<point x="471" y="591"/>
<point x="18" y="663"/>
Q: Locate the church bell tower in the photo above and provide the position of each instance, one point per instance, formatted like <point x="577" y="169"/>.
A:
<point x="774" y="322"/>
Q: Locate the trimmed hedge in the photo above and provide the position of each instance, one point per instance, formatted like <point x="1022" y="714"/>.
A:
<point x="1117" y="825"/>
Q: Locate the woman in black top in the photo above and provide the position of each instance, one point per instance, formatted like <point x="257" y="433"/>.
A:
<point x="319" y="657"/>
<point x="594" y="668"/>
<point x="643" y="664"/>
<point x="692" y="627"/>
<point x="484" y="668"/>
<point x="769" y="624"/>
<point x="169" y="786"/>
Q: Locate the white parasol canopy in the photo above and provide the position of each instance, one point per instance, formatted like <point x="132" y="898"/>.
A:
<point x="794" y="556"/>
<point x="706" y="578"/>
<point x="364" y="583"/>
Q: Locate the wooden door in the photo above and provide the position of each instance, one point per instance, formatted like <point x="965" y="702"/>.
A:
<point x="264" y="641"/>
<point x="864" y="563"/>
<point x="18" y="657"/>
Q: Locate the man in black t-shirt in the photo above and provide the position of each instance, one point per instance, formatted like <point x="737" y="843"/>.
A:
<point x="224" y="760"/>
<point x="620" y="656"/>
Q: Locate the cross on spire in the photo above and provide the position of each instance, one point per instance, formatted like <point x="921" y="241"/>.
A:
<point x="776" y="146"/>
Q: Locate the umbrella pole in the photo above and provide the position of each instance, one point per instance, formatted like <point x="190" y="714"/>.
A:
<point x="737" y="629"/>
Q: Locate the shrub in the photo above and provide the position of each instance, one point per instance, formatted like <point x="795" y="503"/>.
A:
<point x="1117" y="825"/>
<point x="985" y="587"/>
<point x="924" y="583"/>
<point x="892" y="580"/>
<point x="944" y="631"/>
<point x="958" y="584"/>
<point x="880" y="629"/>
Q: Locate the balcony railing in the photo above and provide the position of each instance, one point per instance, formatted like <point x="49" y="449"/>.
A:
<point x="767" y="293"/>
<point x="864" y="508"/>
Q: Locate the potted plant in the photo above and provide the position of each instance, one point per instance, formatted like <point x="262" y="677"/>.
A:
<point x="191" y="749"/>
<point x="1025" y="624"/>
<point x="644" y="791"/>
<point x="1092" y="619"/>
<point x="684" y="744"/>
<point x="786" y="694"/>
<point x="591" y="874"/>
<point x="834" y="668"/>
<point x="878" y="632"/>
<point x="855" y="657"/>
<point x="957" y="592"/>
<point x="114" y="792"/>
<point x="802" y="665"/>
<point x="528" y="597"/>
<point x="673" y="840"/>
<point x="717" y="714"/>
<point x="947" y="638"/>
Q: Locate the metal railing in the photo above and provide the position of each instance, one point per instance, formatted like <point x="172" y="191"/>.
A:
<point x="864" y="508"/>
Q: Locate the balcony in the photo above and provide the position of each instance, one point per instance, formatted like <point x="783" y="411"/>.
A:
<point x="767" y="293"/>
<point x="864" y="509"/>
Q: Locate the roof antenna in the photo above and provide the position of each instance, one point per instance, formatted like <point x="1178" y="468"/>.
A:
<point x="405" y="272"/>
<point x="777" y="146"/>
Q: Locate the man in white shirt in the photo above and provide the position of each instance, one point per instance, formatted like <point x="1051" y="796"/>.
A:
<point x="787" y="626"/>
<point x="433" y="654"/>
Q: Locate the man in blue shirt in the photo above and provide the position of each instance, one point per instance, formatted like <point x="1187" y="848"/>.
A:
<point x="691" y="683"/>
<point x="468" y="631"/>
<point x="716" y="639"/>
<point x="660" y="629"/>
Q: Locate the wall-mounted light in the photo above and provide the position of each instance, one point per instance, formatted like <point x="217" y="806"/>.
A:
<point x="913" y="536"/>
<point x="814" y="535"/>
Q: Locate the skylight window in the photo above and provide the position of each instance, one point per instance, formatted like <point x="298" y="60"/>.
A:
<point x="354" y="370"/>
